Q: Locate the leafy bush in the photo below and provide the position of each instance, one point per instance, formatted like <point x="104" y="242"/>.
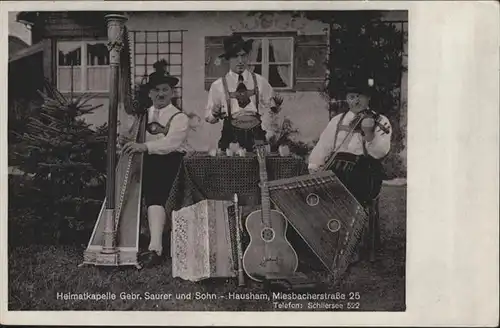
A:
<point x="64" y="160"/>
<point x="393" y="166"/>
<point x="363" y="45"/>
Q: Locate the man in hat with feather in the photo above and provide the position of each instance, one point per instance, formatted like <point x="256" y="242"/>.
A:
<point x="164" y="147"/>
<point x="241" y="99"/>
<point x="358" y="139"/>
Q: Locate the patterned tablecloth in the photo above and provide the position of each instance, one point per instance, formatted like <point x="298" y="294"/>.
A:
<point x="205" y="177"/>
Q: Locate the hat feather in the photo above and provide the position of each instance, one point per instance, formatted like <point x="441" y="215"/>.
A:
<point x="161" y="66"/>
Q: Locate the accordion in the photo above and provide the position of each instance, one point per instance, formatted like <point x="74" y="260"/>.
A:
<point x="203" y="241"/>
<point x="325" y="214"/>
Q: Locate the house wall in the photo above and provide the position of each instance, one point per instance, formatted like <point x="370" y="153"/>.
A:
<point x="18" y="29"/>
<point x="307" y="110"/>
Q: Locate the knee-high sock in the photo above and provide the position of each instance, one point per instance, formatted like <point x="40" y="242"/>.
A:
<point x="156" y="219"/>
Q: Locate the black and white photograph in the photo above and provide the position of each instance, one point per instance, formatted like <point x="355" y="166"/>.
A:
<point x="250" y="159"/>
<point x="207" y="161"/>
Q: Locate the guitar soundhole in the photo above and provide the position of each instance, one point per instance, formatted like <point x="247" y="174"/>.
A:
<point x="267" y="234"/>
<point x="333" y="225"/>
<point x="312" y="199"/>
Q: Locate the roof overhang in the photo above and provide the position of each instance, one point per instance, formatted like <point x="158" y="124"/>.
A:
<point x="88" y="17"/>
<point x="27" y="17"/>
<point x="26" y="52"/>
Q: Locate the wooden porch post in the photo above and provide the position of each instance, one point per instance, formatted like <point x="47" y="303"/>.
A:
<point x="115" y="24"/>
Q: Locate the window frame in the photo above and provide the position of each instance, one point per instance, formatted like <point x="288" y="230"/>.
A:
<point x="266" y="37"/>
<point x="174" y="36"/>
<point x="83" y="67"/>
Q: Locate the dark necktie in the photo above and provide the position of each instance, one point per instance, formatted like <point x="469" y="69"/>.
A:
<point x="243" y="99"/>
<point x="241" y="86"/>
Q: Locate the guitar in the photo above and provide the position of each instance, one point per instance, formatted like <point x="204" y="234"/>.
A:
<point x="269" y="252"/>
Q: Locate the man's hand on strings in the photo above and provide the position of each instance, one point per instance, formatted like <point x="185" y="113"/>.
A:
<point x="134" y="147"/>
<point x="123" y="139"/>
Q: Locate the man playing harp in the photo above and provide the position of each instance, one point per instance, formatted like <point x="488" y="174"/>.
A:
<point x="164" y="147"/>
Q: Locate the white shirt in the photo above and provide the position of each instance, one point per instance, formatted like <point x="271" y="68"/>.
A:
<point x="377" y="148"/>
<point x="217" y="98"/>
<point x="176" y="138"/>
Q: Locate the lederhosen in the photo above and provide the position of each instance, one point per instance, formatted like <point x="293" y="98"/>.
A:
<point x="160" y="171"/>
<point x="244" y="136"/>
<point x="361" y="174"/>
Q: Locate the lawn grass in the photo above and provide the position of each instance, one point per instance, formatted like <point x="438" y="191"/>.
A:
<point x="38" y="273"/>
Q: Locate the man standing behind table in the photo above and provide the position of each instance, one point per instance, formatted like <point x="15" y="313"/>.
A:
<point x="166" y="144"/>
<point x="242" y="99"/>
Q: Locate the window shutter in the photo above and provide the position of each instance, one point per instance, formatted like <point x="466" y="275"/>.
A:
<point x="215" y="67"/>
<point x="311" y="53"/>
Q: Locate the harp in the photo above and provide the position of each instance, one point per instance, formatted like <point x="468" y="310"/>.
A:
<point x="115" y="237"/>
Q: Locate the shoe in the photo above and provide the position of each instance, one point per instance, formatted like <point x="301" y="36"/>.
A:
<point x="150" y="259"/>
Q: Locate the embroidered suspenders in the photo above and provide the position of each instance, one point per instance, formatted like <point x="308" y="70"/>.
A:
<point x="157" y="128"/>
<point x="256" y="88"/>
<point x="337" y="130"/>
<point x="228" y="97"/>
<point x="339" y="123"/>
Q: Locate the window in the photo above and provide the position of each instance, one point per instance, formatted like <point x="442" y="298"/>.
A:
<point x="83" y="66"/>
<point x="272" y="57"/>
<point x="152" y="46"/>
<point x="290" y="62"/>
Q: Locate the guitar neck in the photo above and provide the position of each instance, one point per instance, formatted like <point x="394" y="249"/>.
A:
<point x="264" y="191"/>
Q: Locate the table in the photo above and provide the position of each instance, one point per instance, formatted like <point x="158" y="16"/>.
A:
<point x="202" y="176"/>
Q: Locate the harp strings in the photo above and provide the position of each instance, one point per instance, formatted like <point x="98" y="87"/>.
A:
<point x="125" y="167"/>
<point x="125" y="162"/>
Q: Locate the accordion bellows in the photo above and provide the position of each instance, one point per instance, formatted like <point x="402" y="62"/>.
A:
<point x="202" y="241"/>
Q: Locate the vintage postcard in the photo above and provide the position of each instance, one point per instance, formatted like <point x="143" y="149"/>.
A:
<point x="209" y="160"/>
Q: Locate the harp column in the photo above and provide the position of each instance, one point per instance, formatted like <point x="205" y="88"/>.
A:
<point x="115" y="24"/>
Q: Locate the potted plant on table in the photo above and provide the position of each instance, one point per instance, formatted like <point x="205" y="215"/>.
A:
<point x="281" y="127"/>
